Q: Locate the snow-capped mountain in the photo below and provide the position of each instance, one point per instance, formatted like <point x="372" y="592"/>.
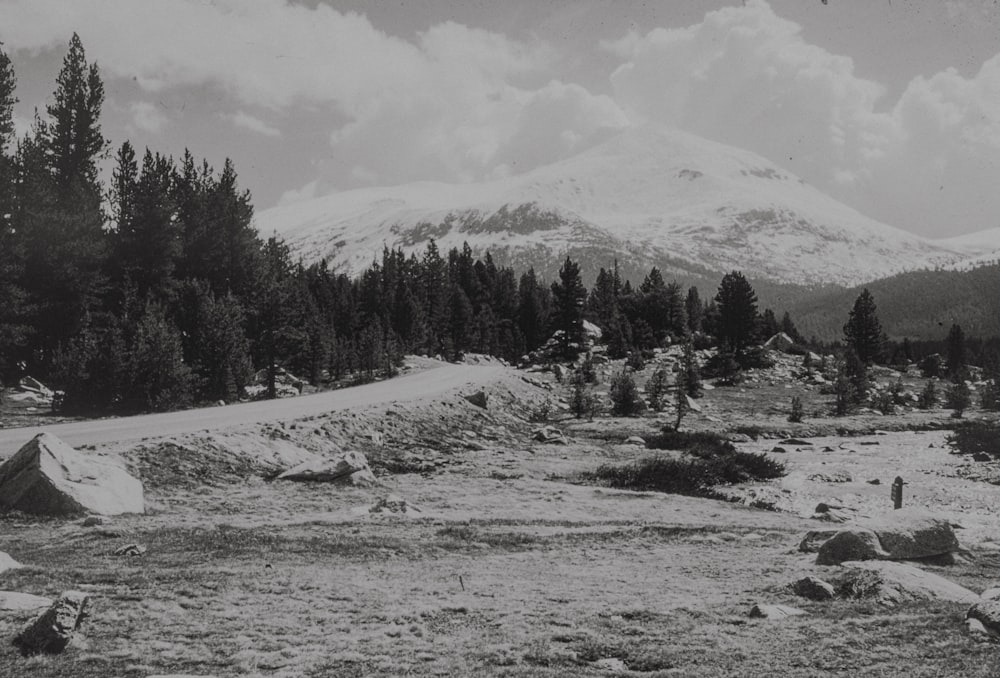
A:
<point x="645" y="196"/>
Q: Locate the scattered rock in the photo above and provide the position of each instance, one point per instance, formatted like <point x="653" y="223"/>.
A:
<point x="775" y="612"/>
<point x="891" y="583"/>
<point x="478" y="399"/>
<point x="49" y="477"/>
<point x="7" y="563"/>
<point x="813" y="588"/>
<point x="847" y="545"/>
<point x="393" y="504"/>
<point x="835" y="477"/>
<point x="610" y="664"/>
<point x="778" y="450"/>
<point x="350" y="468"/>
<point x="548" y="434"/>
<point x="52" y="631"/>
<point x="92" y="521"/>
<point x="739" y="438"/>
<point x="16" y="601"/>
<point x="987" y="613"/>
<point x="814" y="539"/>
<point x="635" y="440"/>
<point x="874" y="481"/>
<point x="795" y="441"/>
<point x="131" y="550"/>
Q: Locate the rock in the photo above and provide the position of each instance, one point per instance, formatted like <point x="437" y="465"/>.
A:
<point x="813" y="588"/>
<point x="49" y="477"/>
<point x="986" y="612"/>
<point x="478" y="399"/>
<point x="890" y="583"/>
<point x="898" y="536"/>
<point x="814" y="539"/>
<point x="11" y="601"/>
<point x="7" y="563"/>
<point x="131" y="550"/>
<point x="92" y="521"/>
<point x="795" y="441"/>
<point x="776" y="612"/>
<point x="592" y="330"/>
<point x="548" y="434"/>
<point x="611" y="664"/>
<point x="835" y="477"/>
<point x="874" y="481"/>
<point x="739" y="438"/>
<point x="52" y="631"/>
<point x="975" y="627"/>
<point x="906" y="535"/>
<point x="393" y="504"/>
<point x="635" y="440"/>
<point x="833" y="513"/>
<point x="778" y="450"/>
<point x="692" y="405"/>
<point x="990" y="594"/>
<point x="846" y="545"/>
<point x="349" y="468"/>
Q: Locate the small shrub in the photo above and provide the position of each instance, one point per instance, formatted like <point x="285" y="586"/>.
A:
<point x="958" y="399"/>
<point x="989" y="398"/>
<point x="689" y="441"/>
<point x="860" y="584"/>
<point x="754" y="357"/>
<point x="884" y="402"/>
<point x="931" y="366"/>
<point x="625" y="400"/>
<point x="635" y="361"/>
<point x="588" y="370"/>
<point x="656" y="389"/>
<point x="976" y="438"/>
<point x="843" y="394"/>
<point x="692" y="375"/>
<point x="898" y="391"/>
<point x="542" y="413"/>
<point x="723" y="366"/>
<point x="796" y="413"/>
<point x="582" y="401"/>
<point x="928" y="397"/>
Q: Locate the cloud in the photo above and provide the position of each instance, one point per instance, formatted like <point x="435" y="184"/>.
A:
<point x="307" y="192"/>
<point x="747" y="77"/>
<point x="248" y="122"/>
<point x="147" y="117"/>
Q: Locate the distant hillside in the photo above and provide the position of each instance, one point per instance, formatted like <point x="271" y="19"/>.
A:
<point x="918" y="304"/>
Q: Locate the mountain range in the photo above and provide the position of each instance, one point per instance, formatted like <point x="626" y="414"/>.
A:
<point x="642" y="196"/>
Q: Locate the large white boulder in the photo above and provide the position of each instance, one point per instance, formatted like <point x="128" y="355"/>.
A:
<point x="890" y="583"/>
<point x="902" y="535"/>
<point x="49" y="477"/>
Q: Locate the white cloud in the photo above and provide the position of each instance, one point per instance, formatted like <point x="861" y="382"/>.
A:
<point x="745" y="76"/>
<point x="148" y="117"/>
<point x="307" y="192"/>
<point x="248" y="122"/>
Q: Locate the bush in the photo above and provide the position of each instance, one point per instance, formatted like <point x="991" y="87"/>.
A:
<point x="656" y="388"/>
<point x="692" y="375"/>
<point x="796" y="414"/>
<point x="694" y="477"/>
<point x="588" y="370"/>
<point x="928" y="397"/>
<point x="976" y="438"/>
<point x="989" y="398"/>
<point x="723" y="366"/>
<point x="754" y="357"/>
<point x="958" y="398"/>
<point x="931" y="366"/>
<point x="884" y="402"/>
<point x="582" y="401"/>
<point x="625" y="400"/>
<point x="699" y="443"/>
<point x="635" y="361"/>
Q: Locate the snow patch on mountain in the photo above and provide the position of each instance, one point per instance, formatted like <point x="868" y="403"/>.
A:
<point x="644" y="194"/>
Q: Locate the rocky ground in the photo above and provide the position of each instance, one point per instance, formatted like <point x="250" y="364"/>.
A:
<point x="480" y="552"/>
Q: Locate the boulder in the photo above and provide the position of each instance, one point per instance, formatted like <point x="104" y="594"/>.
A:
<point x="779" y="342"/>
<point x="987" y="613"/>
<point x="393" y="504"/>
<point x="762" y="611"/>
<point x="831" y="477"/>
<point x="548" y="434"/>
<point x="795" y="441"/>
<point x="813" y="588"/>
<point x="49" y="477"/>
<point x="7" y="563"/>
<point x="899" y="536"/>
<point x="349" y="468"/>
<point x="692" y="404"/>
<point x="478" y="399"/>
<point x="814" y="539"/>
<point x="854" y="544"/>
<point x="909" y="535"/>
<point x="15" y="601"/>
<point x="891" y="583"/>
<point x="635" y="440"/>
<point x="52" y="631"/>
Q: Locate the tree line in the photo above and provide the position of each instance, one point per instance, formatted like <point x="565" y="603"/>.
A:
<point x="156" y="290"/>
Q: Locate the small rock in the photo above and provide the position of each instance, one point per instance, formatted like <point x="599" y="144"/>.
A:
<point x="51" y="632"/>
<point x="813" y="588"/>
<point x="7" y="563"/>
<point x="776" y="612"/>
<point x="847" y="545"/>
<point x="610" y="664"/>
<point x="393" y="504"/>
<point x="795" y="441"/>
<point x="478" y="399"/>
<point x="131" y="550"/>
<point x="875" y="481"/>
<point x="814" y="539"/>
<point x="635" y="440"/>
<point x="990" y="594"/>
<point x="835" y="477"/>
<point x="16" y="601"/>
<point x="778" y="450"/>
<point x="975" y="627"/>
<point x="91" y="521"/>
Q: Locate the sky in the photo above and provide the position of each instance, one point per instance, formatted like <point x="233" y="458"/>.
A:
<point x="892" y="106"/>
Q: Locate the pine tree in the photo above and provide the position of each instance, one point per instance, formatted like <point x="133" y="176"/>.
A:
<point x="13" y="328"/>
<point x="956" y="352"/>
<point x="737" y="303"/>
<point x="695" y="311"/>
<point x="219" y="350"/>
<point x="692" y="375"/>
<point x="569" y="296"/>
<point x="156" y="377"/>
<point x="768" y="326"/>
<point x="863" y="331"/>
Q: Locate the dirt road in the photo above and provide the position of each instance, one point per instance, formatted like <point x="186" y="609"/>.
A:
<point x="425" y="383"/>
